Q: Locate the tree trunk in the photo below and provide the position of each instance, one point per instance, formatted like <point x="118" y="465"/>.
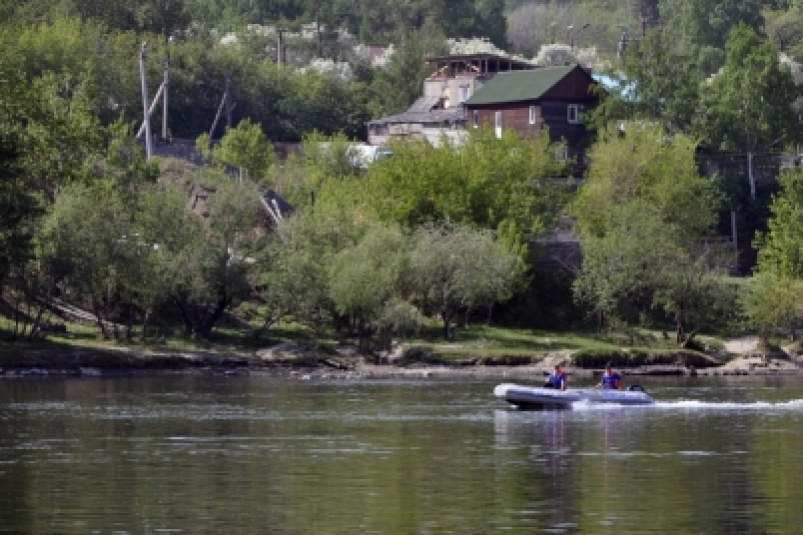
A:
<point x="447" y="329"/>
<point x="688" y="340"/>
<point x="680" y="327"/>
<point x="99" y="320"/>
<point x="209" y="323"/>
<point x="145" y="317"/>
<point x="36" y="322"/>
<point x="189" y="329"/>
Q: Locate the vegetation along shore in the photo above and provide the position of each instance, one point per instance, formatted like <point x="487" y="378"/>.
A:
<point x="305" y="188"/>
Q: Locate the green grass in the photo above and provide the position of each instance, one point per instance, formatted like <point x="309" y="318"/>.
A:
<point x="476" y="344"/>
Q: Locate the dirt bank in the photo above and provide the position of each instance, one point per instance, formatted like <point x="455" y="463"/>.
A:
<point x="308" y="365"/>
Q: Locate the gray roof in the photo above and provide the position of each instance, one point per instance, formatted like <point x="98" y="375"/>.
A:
<point x="421" y="112"/>
<point x="423" y="104"/>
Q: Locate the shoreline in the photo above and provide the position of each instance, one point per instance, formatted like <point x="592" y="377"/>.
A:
<point x="119" y="362"/>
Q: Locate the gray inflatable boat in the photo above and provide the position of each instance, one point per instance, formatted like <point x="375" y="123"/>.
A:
<point x="532" y="397"/>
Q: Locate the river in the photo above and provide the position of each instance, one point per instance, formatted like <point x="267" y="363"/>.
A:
<point x="254" y="455"/>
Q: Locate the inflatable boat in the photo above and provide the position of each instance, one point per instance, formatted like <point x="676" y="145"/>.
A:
<point x="533" y="397"/>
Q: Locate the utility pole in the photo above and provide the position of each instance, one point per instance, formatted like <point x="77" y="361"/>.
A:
<point x="320" y="36"/>
<point x="224" y="103"/>
<point x="165" y="85"/>
<point x="621" y="48"/>
<point x="143" y="54"/>
<point x="280" y="56"/>
<point x="228" y="100"/>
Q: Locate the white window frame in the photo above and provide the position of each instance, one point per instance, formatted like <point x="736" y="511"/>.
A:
<point x="573" y="113"/>
<point x="498" y="123"/>
<point x="475" y="118"/>
<point x="465" y="93"/>
<point x="533" y="117"/>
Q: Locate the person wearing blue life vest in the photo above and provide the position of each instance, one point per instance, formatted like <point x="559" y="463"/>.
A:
<point x="611" y="379"/>
<point x="557" y="379"/>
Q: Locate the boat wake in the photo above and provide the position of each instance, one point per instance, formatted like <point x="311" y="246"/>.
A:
<point x="792" y="404"/>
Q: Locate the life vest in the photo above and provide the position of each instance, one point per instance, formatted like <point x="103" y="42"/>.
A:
<point x="611" y="380"/>
<point x="558" y="379"/>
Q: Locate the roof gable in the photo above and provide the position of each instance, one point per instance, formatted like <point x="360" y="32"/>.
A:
<point x="521" y="86"/>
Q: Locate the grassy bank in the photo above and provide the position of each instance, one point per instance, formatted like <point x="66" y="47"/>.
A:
<point x="475" y="345"/>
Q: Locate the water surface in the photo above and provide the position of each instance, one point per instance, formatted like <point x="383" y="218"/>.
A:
<point x="254" y="455"/>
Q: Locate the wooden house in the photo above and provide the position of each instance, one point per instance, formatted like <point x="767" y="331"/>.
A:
<point x="439" y="113"/>
<point x="528" y="101"/>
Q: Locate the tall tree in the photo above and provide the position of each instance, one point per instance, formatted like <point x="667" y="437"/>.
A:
<point x="702" y="27"/>
<point x="657" y="84"/>
<point x="747" y="107"/>
<point x="400" y="83"/>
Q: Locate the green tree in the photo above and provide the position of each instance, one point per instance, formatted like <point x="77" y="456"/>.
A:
<point x="244" y="147"/>
<point x="640" y="215"/>
<point x="658" y="84"/>
<point x="781" y="247"/>
<point x="400" y="83"/>
<point x="645" y="163"/>
<point x="771" y="301"/>
<point x="19" y="207"/>
<point x="505" y="185"/>
<point x="702" y="28"/>
<point x="747" y="107"/>
<point x="90" y="245"/>
<point x="454" y="270"/>
<point x="367" y="279"/>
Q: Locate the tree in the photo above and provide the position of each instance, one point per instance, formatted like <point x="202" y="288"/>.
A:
<point x="781" y="247"/>
<point x="701" y="28"/>
<point x="294" y="265"/>
<point x="771" y="301"/>
<point x="640" y="215"/>
<point x="220" y="267"/>
<point x="366" y="280"/>
<point x="244" y="147"/>
<point x="91" y="243"/>
<point x="454" y="269"/>
<point x="747" y="108"/>
<point x="400" y="83"/>
<point x="505" y="185"/>
<point x="645" y="163"/>
<point x="658" y="84"/>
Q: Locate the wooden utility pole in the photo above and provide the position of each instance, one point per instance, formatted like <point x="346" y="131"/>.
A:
<point x="165" y="85"/>
<point x="320" y="35"/>
<point x="228" y="100"/>
<point x="143" y="54"/>
<point x="224" y="103"/>
<point x="280" y="55"/>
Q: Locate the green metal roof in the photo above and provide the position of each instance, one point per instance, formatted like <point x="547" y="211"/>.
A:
<point x="517" y="86"/>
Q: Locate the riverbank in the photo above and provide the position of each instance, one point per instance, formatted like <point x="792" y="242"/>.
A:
<point x="300" y="362"/>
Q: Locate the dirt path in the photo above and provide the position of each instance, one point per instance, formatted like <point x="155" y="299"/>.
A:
<point x="739" y="346"/>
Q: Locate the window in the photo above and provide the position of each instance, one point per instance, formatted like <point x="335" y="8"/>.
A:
<point x="573" y="113"/>
<point x="532" y="115"/>
<point x="465" y="93"/>
<point x="498" y="123"/>
<point x="475" y="118"/>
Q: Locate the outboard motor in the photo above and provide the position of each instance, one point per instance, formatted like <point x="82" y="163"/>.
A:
<point x="636" y="388"/>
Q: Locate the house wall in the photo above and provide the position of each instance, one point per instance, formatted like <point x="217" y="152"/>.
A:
<point x="450" y="87"/>
<point x="433" y="134"/>
<point x="514" y="115"/>
<point x="553" y="115"/>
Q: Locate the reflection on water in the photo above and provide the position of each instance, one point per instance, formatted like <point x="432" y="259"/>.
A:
<point x="250" y="455"/>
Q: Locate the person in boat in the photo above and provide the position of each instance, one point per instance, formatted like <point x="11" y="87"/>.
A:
<point x="611" y="379"/>
<point x="557" y="379"/>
